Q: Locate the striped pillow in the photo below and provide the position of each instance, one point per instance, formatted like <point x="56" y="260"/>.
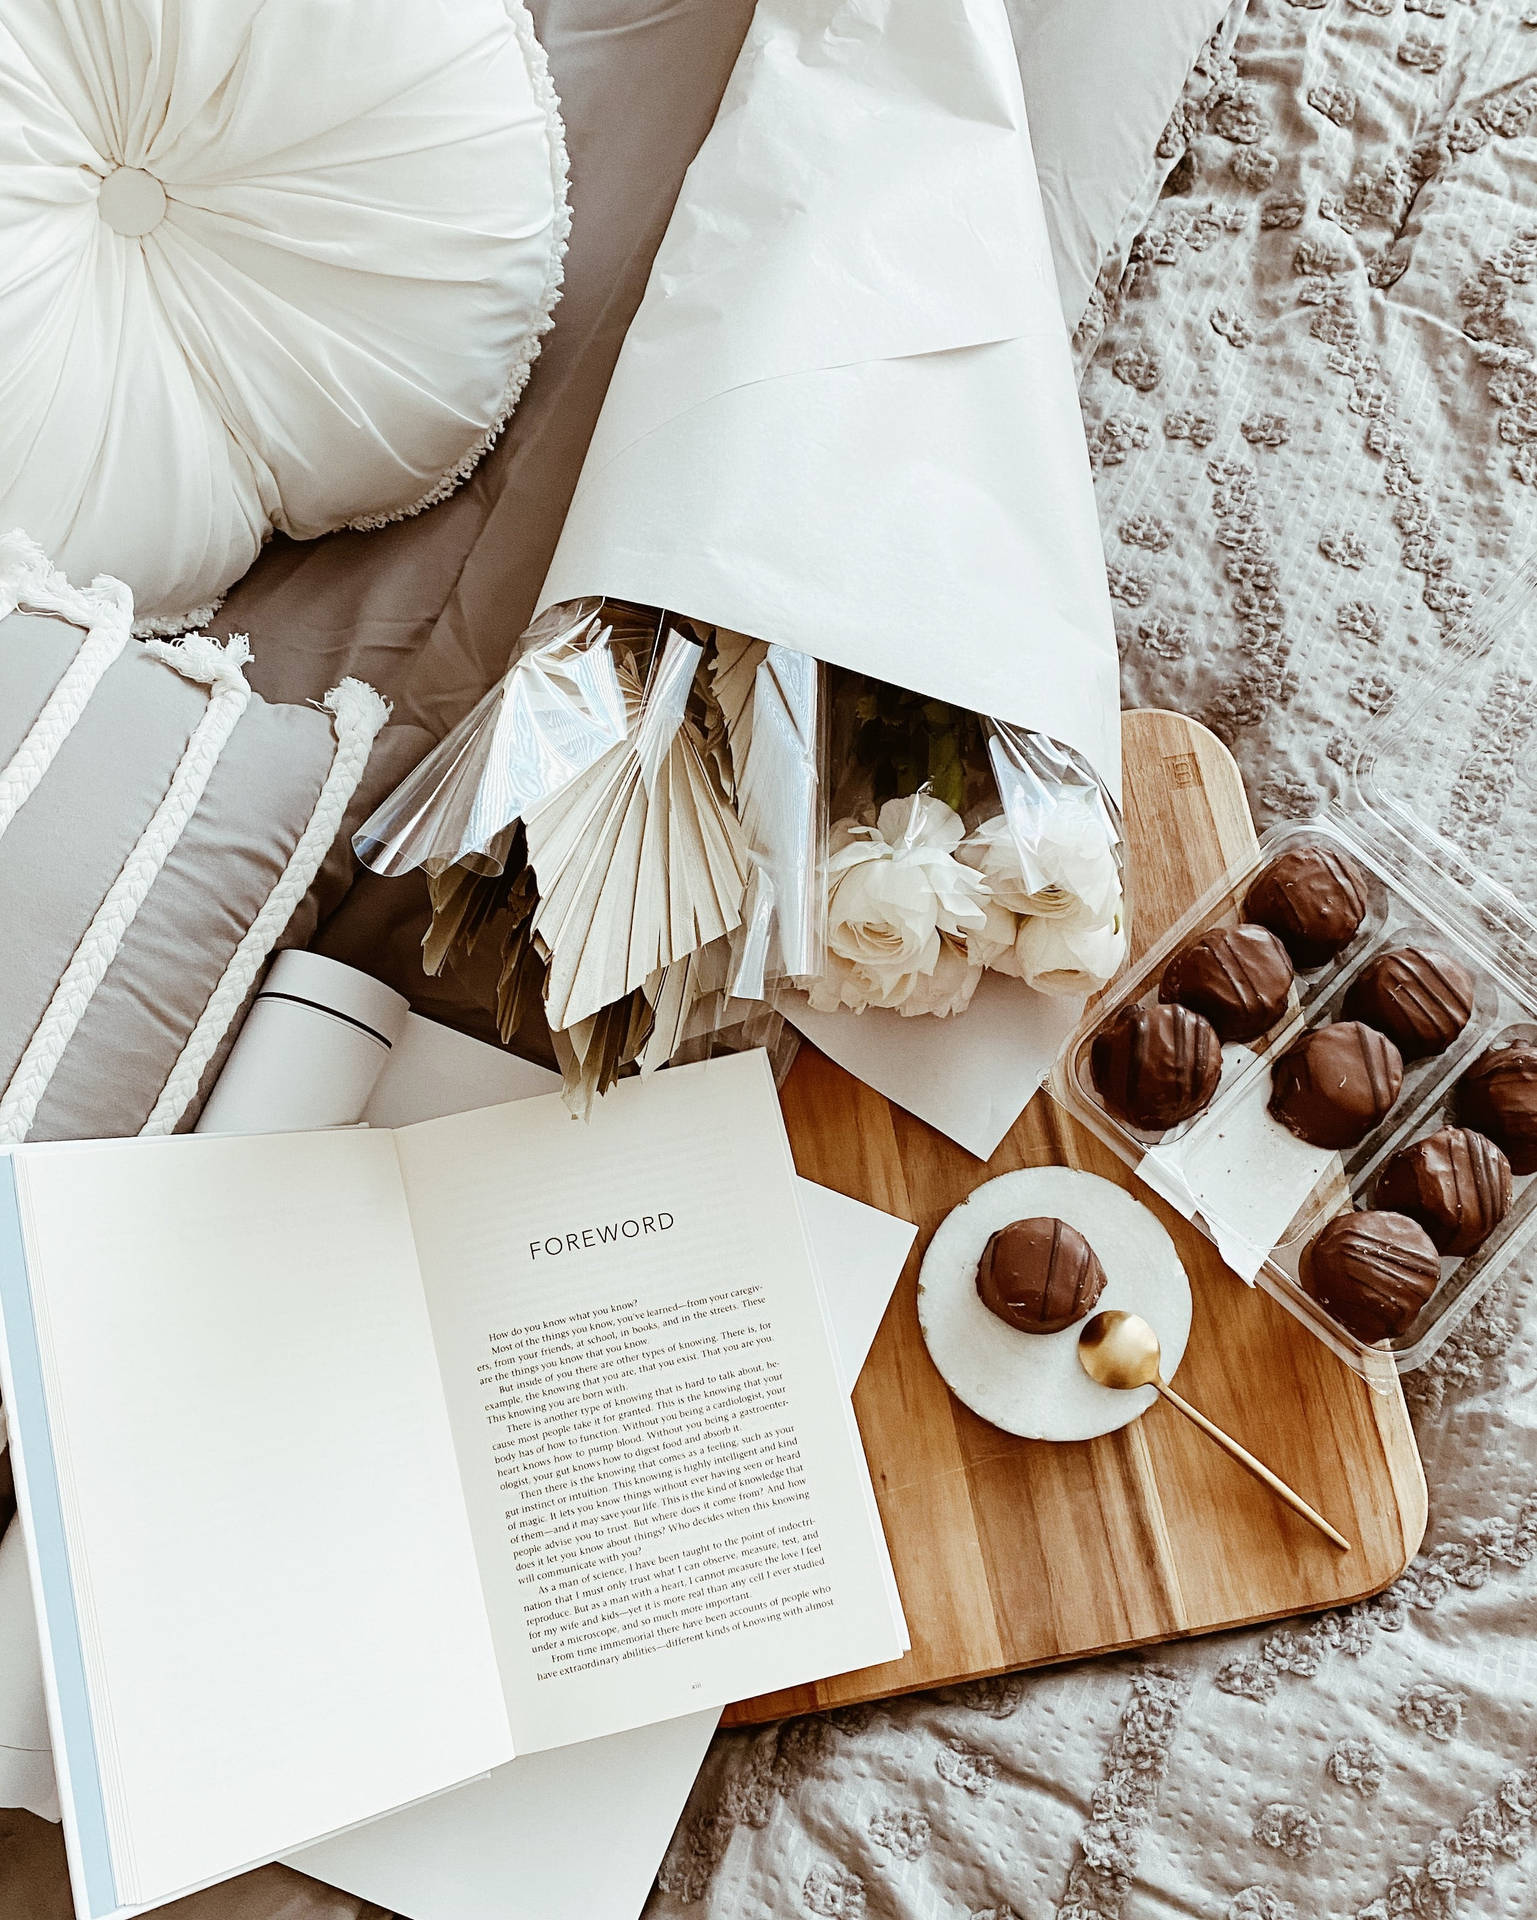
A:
<point x="160" y="826"/>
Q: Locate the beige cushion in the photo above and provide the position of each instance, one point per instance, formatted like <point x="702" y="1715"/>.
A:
<point x="67" y="843"/>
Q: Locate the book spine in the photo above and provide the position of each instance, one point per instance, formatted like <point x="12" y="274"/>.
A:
<point x="37" y="1492"/>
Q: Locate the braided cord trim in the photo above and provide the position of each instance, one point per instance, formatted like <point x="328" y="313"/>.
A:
<point x="198" y="658"/>
<point x="357" y="715"/>
<point x="104" y="609"/>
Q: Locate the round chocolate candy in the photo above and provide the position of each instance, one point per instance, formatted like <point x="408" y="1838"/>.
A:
<point x="1314" y="898"/>
<point x="1039" y="1275"/>
<point x="1238" y="977"/>
<point x="1372" y="1271"/>
<point x="1333" y="1085"/>
<point x="1498" y="1096"/>
<point x="1420" y="998"/>
<point x="1155" y="1066"/>
<point x="1454" y="1182"/>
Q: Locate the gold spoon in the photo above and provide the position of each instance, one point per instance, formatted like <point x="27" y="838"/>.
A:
<point x="1121" y="1350"/>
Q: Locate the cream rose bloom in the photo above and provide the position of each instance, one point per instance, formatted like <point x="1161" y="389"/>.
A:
<point x="994" y="943"/>
<point x="948" y="989"/>
<point x="899" y="910"/>
<point x="1076" y="874"/>
<point x="1071" y="955"/>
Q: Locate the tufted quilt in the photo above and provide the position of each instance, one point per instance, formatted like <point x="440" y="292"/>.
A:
<point x="1312" y="405"/>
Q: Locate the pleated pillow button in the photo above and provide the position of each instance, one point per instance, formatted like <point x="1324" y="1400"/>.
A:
<point x="131" y="201"/>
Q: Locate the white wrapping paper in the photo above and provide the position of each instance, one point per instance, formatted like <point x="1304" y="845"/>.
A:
<point x="844" y="416"/>
<point x="844" y="419"/>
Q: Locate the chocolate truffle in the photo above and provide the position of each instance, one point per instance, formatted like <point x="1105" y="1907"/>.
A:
<point x="1314" y="898"/>
<point x="1498" y="1096"/>
<point x="1039" y="1275"/>
<point x="1372" y="1271"/>
<point x="1238" y="977"/>
<point x="1333" y="1085"/>
<point x="1454" y="1182"/>
<point x="1420" y="998"/>
<point x="1155" y="1066"/>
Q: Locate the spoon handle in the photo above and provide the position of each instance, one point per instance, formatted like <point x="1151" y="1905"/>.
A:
<point x="1257" y="1467"/>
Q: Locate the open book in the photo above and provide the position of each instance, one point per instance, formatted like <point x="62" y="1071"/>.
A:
<point x="356" y="1462"/>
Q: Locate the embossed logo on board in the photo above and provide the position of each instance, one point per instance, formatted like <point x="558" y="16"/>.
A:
<point x="1184" y="769"/>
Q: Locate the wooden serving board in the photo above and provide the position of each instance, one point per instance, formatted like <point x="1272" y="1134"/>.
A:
<point x="1013" y="1553"/>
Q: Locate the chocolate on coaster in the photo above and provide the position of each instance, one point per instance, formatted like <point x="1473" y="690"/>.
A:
<point x="1039" y="1275"/>
<point x="1031" y="1383"/>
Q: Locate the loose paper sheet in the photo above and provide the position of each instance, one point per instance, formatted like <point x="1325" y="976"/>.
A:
<point x="970" y="1076"/>
<point x="1240" y="1171"/>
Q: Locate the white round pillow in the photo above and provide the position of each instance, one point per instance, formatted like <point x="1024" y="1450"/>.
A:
<point x="264" y="264"/>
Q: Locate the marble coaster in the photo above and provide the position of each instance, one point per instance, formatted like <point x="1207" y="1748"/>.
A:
<point x="1031" y="1383"/>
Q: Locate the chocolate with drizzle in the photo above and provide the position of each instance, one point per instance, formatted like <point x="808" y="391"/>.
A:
<point x="1420" y="998"/>
<point x="1498" y="1096"/>
<point x="1372" y="1271"/>
<point x="1333" y="1085"/>
<point x="1314" y="898"/>
<point x="1454" y="1182"/>
<point x="1155" y="1066"/>
<point x="1039" y="1275"/>
<point x="1239" y="977"/>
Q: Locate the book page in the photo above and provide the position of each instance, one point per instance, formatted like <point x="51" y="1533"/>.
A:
<point x="665" y="1482"/>
<point x="267" y="1550"/>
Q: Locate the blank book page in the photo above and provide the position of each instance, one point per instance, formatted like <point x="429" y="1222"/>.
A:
<point x="279" y="1605"/>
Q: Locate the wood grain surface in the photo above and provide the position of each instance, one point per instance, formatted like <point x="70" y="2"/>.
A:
<point x="1013" y="1553"/>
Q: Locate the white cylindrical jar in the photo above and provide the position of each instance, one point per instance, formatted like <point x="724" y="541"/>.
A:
<point x="314" y="1043"/>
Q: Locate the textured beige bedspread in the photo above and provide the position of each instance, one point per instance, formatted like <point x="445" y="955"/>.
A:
<point x="1313" y="409"/>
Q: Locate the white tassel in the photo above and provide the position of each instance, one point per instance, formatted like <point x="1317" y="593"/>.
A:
<point x="198" y="656"/>
<point x="357" y="714"/>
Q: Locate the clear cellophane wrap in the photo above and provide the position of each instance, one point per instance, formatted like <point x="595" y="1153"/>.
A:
<point x="636" y="819"/>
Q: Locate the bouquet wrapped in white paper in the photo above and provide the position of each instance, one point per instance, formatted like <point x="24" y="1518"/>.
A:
<point x="842" y="430"/>
<point x="645" y="818"/>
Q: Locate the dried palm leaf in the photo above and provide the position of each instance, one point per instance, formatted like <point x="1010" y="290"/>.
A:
<point x="734" y="663"/>
<point x="639" y="859"/>
<point x="525" y="967"/>
<point x="593" y="1053"/>
<point x="464" y="903"/>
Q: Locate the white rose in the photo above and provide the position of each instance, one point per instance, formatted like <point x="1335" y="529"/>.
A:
<point x="991" y="850"/>
<point x="840" y="986"/>
<point x="1076" y="955"/>
<point x="945" y="990"/>
<point x="1073" y="870"/>
<point x="893" y="889"/>
<point x="993" y="943"/>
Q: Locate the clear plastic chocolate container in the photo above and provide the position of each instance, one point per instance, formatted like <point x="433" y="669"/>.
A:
<point x="1439" y="812"/>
